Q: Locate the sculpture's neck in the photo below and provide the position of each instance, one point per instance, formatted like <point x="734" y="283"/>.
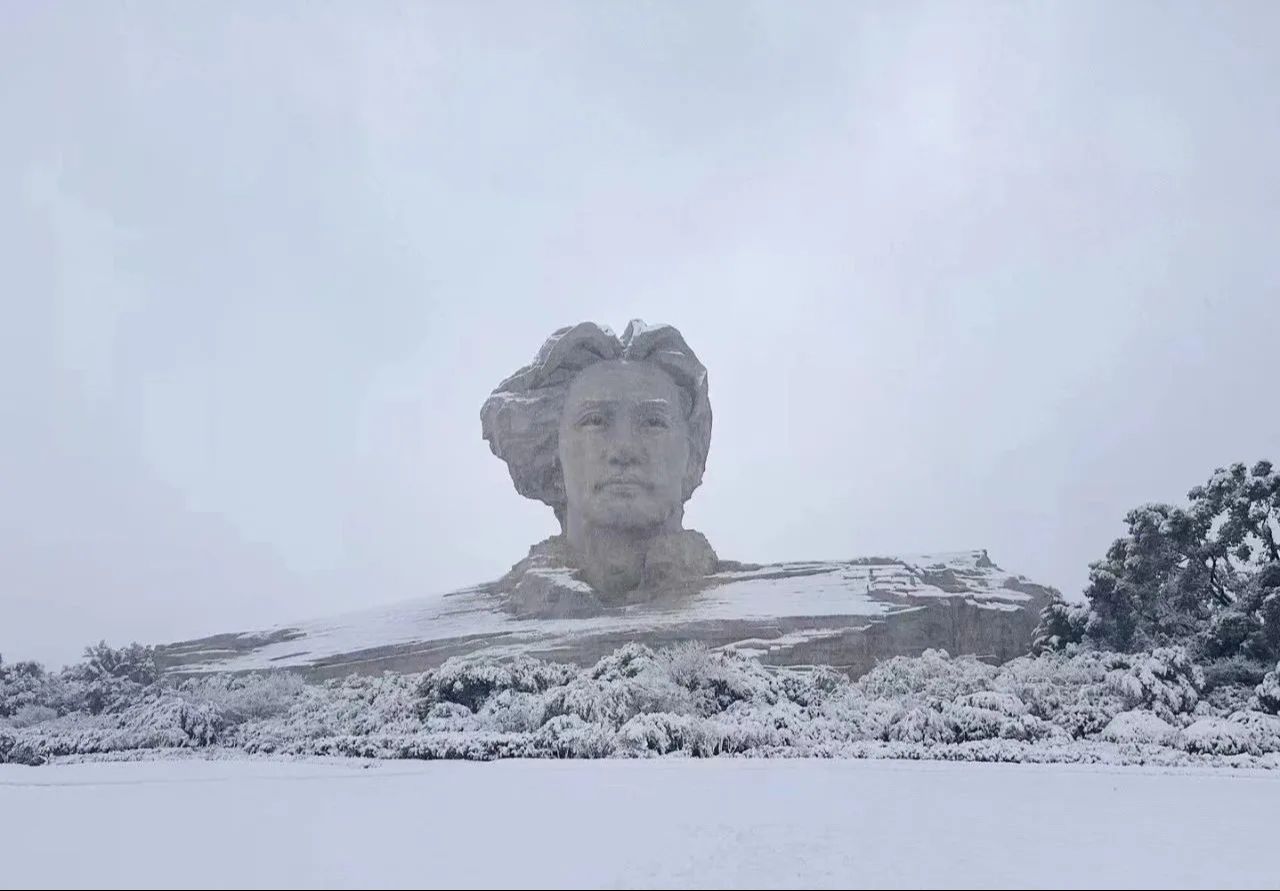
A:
<point x="613" y="559"/>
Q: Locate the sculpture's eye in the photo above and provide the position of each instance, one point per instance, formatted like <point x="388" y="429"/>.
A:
<point x="592" y="419"/>
<point x="654" y="422"/>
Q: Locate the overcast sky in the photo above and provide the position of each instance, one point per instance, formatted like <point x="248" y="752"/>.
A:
<point x="965" y="275"/>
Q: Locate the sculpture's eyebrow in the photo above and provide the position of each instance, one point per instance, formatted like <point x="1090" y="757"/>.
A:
<point x="656" y="403"/>
<point x="597" y="404"/>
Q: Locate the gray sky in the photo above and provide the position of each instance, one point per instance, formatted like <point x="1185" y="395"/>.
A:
<point x="978" y="275"/>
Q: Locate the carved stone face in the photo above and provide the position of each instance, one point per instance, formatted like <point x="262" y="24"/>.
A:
<point x="624" y="447"/>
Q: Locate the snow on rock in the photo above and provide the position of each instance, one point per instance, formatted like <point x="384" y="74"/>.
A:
<point x="849" y="614"/>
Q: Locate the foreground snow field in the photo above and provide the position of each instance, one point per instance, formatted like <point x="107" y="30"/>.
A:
<point x="613" y="823"/>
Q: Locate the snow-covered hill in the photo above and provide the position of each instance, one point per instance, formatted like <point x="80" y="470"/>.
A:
<point x="845" y="613"/>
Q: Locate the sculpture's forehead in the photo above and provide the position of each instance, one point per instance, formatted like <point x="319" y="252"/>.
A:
<point x="623" y="380"/>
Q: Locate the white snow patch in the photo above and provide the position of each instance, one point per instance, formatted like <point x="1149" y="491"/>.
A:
<point x="758" y="646"/>
<point x="633" y="824"/>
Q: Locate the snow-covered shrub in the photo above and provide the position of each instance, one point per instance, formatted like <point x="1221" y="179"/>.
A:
<point x="361" y="705"/>
<point x="614" y="702"/>
<point x="1069" y="691"/>
<point x="354" y="707"/>
<point x="1001" y="701"/>
<point x="630" y="660"/>
<point x="473" y="746"/>
<point x="811" y="687"/>
<point x="1083" y="691"/>
<point x="1267" y="695"/>
<point x="31" y="715"/>
<point x="1049" y="683"/>
<point x="933" y="675"/>
<point x="1089" y="716"/>
<point x="1164" y="681"/>
<point x="1032" y="729"/>
<point x="1236" y="671"/>
<point x="14" y="750"/>
<point x="685" y="701"/>
<point x="858" y="717"/>
<point x="919" y="724"/>
<point x="1219" y="736"/>
<point x="787" y="724"/>
<point x="657" y="733"/>
<point x="568" y="736"/>
<point x="450" y="717"/>
<point x="1229" y="683"/>
<point x="471" y="680"/>
<point x="1140" y="727"/>
<point x="974" y="722"/>
<point x="968" y="723"/>
<point x="753" y="728"/>
<point x="739" y="730"/>
<point x="169" y="721"/>
<point x="513" y="711"/>
<point x="240" y="698"/>
<point x="159" y="721"/>
<point x="718" y="679"/>
<point x="630" y="681"/>
<point x="1265" y="728"/>
<point x="736" y="732"/>
<point x="1224" y="700"/>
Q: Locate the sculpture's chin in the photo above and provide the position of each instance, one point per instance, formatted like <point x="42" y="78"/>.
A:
<point x="635" y="523"/>
<point x="629" y="516"/>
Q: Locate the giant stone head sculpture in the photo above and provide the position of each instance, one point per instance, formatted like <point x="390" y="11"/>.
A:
<point x="612" y="433"/>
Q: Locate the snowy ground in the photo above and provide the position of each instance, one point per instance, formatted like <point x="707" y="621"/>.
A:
<point x="664" y="823"/>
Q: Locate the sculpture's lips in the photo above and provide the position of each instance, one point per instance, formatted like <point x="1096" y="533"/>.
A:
<point x="623" y="482"/>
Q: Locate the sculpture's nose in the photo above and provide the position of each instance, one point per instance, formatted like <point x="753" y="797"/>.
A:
<point x="623" y="452"/>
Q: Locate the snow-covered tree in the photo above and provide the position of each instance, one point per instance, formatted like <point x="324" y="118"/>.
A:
<point x="1206" y="575"/>
<point x="109" y="679"/>
<point x="134" y="663"/>
<point x="1061" y="624"/>
<point x="22" y="684"/>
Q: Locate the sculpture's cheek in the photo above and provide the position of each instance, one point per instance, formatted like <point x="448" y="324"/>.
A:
<point x="576" y="462"/>
<point x="669" y="462"/>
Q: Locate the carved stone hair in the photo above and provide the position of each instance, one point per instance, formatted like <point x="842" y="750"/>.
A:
<point x="521" y="418"/>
